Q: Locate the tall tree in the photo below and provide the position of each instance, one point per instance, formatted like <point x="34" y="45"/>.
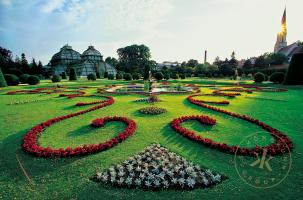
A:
<point x="34" y="67"/>
<point x="2" y="80"/>
<point x="112" y="61"/>
<point x="133" y="58"/>
<point x="24" y="64"/>
<point x="233" y="61"/>
<point x="192" y="63"/>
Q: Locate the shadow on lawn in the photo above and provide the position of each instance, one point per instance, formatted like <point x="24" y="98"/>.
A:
<point x="33" y="165"/>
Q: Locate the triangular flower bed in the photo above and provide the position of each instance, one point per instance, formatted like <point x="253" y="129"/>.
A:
<point x="157" y="168"/>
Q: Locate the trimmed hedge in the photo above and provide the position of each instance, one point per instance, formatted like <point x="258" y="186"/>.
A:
<point x="92" y="77"/>
<point x="24" y="78"/>
<point x="294" y="74"/>
<point x="127" y="76"/>
<point x="159" y="76"/>
<point x="259" y="77"/>
<point x="33" y="80"/>
<point x="136" y="76"/>
<point x="111" y="77"/>
<point x="277" y="77"/>
<point x="118" y="76"/>
<point x="2" y="79"/>
<point x="63" y="75"/>
<point x="11" y="79"/>
<point x="72" y="74"/>
<point x="56" y="78"/>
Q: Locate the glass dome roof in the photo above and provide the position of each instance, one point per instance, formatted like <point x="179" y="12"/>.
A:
<point x="66" y="53"/>
<point x="91" y="54"/>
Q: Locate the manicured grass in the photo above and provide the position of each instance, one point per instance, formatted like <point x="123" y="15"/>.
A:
<point x="70" y="178"/>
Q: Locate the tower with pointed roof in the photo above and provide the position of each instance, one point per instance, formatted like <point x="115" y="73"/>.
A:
<point x="281" y="37"/>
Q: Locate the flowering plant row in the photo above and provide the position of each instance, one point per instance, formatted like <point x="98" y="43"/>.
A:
<point x="224" y="102"/>
<point x="31" y="146"/>
<point x="152" y="110"/>
<point x="79" y="93"/>
<point x="47" y="90"/>
<point x="219" y="93"/>
<point x="281" y="145"/>
<point x="237" y="90"/>
<point x="157" y="168"/>
<point x="264" y="89"/>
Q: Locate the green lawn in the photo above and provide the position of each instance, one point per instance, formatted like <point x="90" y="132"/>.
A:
<point x="70" y="178"/>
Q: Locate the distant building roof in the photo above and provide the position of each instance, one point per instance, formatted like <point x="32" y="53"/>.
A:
<point x="292" y="49"/>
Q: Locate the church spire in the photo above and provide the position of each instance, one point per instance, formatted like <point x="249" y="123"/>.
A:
<point x="281" y="38"/>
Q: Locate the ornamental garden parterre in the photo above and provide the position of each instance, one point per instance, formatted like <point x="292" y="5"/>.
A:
<point x="156" y="167"/>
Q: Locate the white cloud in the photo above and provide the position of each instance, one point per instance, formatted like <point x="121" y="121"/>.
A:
<point x="51" y="5"/>
<point x="5" y="2"/>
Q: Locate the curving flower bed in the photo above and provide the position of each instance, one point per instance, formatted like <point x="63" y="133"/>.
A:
<point x="279" y="147"/>
<point x="31" y="146"/>
<point x="152" y="110"/>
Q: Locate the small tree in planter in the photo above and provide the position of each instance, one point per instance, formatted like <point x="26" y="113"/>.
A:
<point x="166" y="76"/>
<point x="118" y="76"/>
<point x="277" y="77"/>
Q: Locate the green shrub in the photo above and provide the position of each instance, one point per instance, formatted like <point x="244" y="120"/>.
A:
<point x="11" y="79"/>
<point x="2" y="80"/>
<point x="72" y="74"/>
<point x="98" y="75"/>
<point x="277" y="77"/>
<point x="56" y="78"/>
<point x="182" y="76"/>
<point x="158" y="76"/>
<point x="118" y="76"/>
<point x="166" y="76"/>
<point x="175" y="76"/>
<point x="111" y="77"/>
<point x="24" y="78"/>
<point x="136" y="76"/>
<point x="294" y="74"/>
<point x="92" y="77"/>
<point x="259" y="77"/>
<point x="63" y="75"/>
<point x="33" y="80"/>
<point x="127" y="76"/>
<point x="105" y="74"/>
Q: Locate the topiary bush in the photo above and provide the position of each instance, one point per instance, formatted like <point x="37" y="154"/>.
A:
<point x="127" y="77"/>
<point x="92" y="77"/>
<point x="277" y="77"/>
<point x="259" y="77"/>
<point x="98" y="75"/>
<point x="158" y="76"/>
<point x="63" y="75"/>
<point x="56" y="78"/>
<point x="294" y="74"/>
<point x="111" y="77"/>
<point x="72" y="74"/>
<point x="118" y="76"/>
<point x="105" y="74"/>
<point x="166" y="76"/>
<point x="182" y="76"/>
<point x="33" y="80"/>
<point x="2" y="80"/>
<point x="136" y="76"/>
<point x="175" y="76"/>
<point x="11" y="79"/>
<point x="24" y="78"/>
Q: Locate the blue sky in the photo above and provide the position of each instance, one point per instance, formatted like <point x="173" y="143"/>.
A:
<point x="175" y="30"/>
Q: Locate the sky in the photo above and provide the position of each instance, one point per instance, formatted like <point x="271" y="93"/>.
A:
<point x="174" y="30"/>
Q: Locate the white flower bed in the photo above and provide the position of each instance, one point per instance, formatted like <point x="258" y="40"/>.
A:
<point x="156" y="168"/>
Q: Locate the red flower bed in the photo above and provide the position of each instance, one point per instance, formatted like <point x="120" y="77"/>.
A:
<point x="224" y="102"/>
<point x="47" y="90"/>
<point x="274" y="149"/>
<point x="218" y="93"/>
<point x="237" y="90"/>
<point x="70" y="96"/>
<point x="31" y="146"/>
